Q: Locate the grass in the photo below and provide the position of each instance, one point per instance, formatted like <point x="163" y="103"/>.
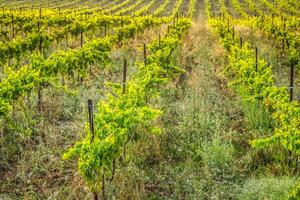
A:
<point x="266" y="188"/>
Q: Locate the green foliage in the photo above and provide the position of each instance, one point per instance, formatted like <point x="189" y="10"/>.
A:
<point x="284" y="31"/>
<point x="15" y="85"/>
<point x="259" y="86"/>
<point x="114" y="122"/>
<point x="64" y="63"/>
<point x="17" y="47"/>
<point x="119" y="115"/>
<point x="161" y="8"/>
<point x="295" y="194"/>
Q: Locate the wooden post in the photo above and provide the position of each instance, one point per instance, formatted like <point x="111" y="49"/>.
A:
<point x="105" y="31"/>
<point x="39" y="25"/>
<point x="12" y="26"/>
<point x="233" y="32"/>
<point x="241" y="42"/>
<point x="40" y="95"/>
<point x="39" y="30"/>
<point x="113" y="170"/>
<point x="124" y="76"/>
<point x="41" y="44"/>
<point x="40" y="99"/>
<point x="284" y="28"/>
<point x="228" y="25"/>
<point x="67" y="39"/>
<point x="91" y="118"/>
<point x="103" y="187"/>
<point x="256" y="59"/>
<point x="124" y="147"/>
<point x="91" y="124"/>
<point x="66" y="33"/>
<point x="81" y="38"/>
<point x="159" y="39"/>
<point x="145" y="55"/>
<point x="119" y="41"/>
<point x="292" y="82"/>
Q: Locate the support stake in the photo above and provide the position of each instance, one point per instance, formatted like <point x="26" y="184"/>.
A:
<point x="91" y="118"/>
<point x="145" y="55"/>
<point x="256" y="59"/>
<point x="292" y="82"/>
<point x="241" y="42"/>
<point x="124" y="76"/>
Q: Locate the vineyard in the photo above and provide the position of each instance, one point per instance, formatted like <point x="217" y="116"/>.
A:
<point x="150" y="99"/>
